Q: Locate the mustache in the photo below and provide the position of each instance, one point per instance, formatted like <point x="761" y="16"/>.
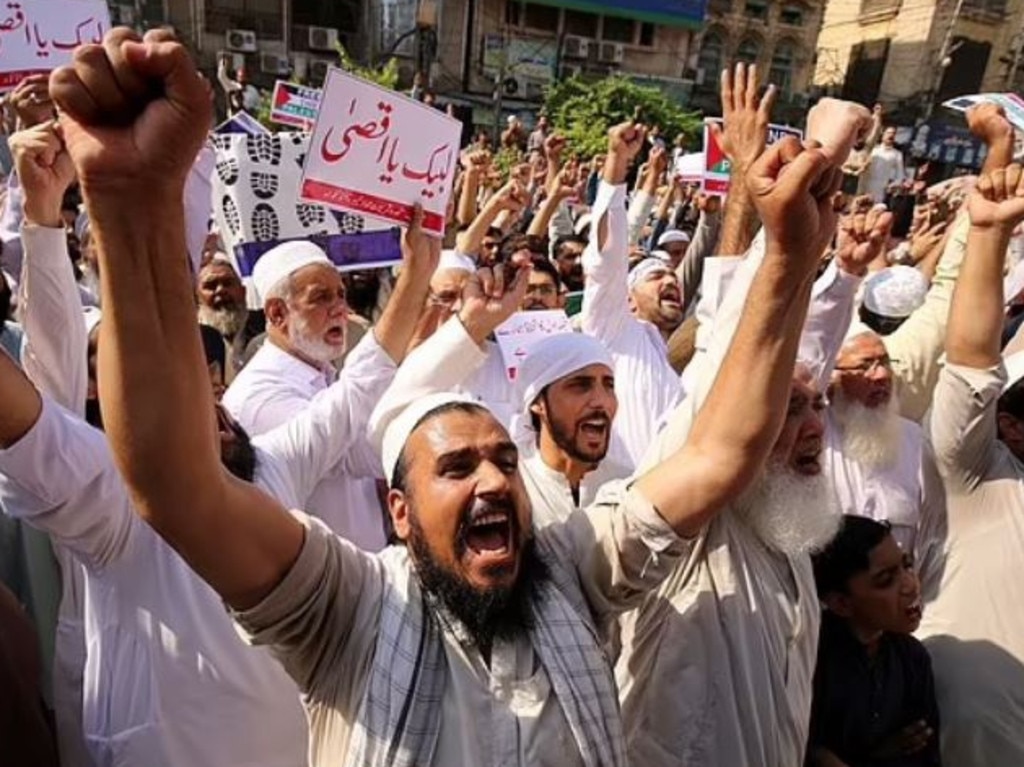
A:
<point x="478" y="508"/>
<point x="596" y="415"/>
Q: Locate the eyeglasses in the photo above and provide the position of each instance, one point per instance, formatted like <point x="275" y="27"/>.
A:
<point x="543" y="290"/>
<point x="867" y="366"/>
<point x="442" y="299"/>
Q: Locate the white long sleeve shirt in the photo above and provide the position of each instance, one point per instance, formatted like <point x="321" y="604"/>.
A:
<point x="275" y="386"/>
<point x="646" y="385"/>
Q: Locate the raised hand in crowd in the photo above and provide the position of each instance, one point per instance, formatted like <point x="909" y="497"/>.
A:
<point x="837" y="125"/>
<point x="491" y="296"/>
<point x="988" y="122"/>
<point x="862" y="239"/>
<point x="31" y="101"/>
<point x="45" y="172"/>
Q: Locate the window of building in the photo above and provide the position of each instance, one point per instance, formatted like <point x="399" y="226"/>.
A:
<point x="261" y="17"/>
<point x="647" y="35"/>
<point x="580" y="23"/>
<point x="792" y="16"/>
<point x="711" y="56"/>
<point x="995" y="8"/>
<point x="871" y="7"/>
<point x="749" y="51"/>
<point x="540" y="17"/>
<point x="756" y="9"/>
<point x="617" y="30"/>
<point x="867" y="66"/>
<point x="783" y="63"/>
<point x="514" y="13"/>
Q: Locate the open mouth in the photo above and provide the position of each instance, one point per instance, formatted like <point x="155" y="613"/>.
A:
<point x="914" y="612"/>
<point x="809" y="463"/>
<point x="490" y="533"/>
<point x="335" y="335"/>
<point x="595" y="427"/>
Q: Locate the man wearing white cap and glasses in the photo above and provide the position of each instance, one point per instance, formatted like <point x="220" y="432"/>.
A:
<point x="304" y="300"/>
<point x="973" y="626"/>
<point x="461" y="647"/>
<point x="675" y="243"/>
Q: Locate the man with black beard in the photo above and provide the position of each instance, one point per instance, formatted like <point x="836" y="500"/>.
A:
<point x="389" y="673"/>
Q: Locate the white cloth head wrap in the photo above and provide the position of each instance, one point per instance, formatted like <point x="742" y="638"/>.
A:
<point x="648" y="266"/>
<point x="282" y="261"/>
<point x="673" y="235"/>
<point x="397" y="433"/>
<point x="452" y="259"/>
<point x="895" y="292"/>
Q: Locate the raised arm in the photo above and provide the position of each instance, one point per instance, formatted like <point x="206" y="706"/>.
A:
<point x="737" y="425"/>
<point x="643" y="201"/>
<point x="55" y="351"/>
<point x="511" y="197"/>
<point x="132" y="150"/>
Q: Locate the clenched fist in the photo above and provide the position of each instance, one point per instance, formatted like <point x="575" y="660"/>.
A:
<point x="134" y="113"/>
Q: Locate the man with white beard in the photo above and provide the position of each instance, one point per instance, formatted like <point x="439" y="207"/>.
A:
<point x="220" y="296"/>
<point x="875" y="455"/>
<point x="716" y="667"/>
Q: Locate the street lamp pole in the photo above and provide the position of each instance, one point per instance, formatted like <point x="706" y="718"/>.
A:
<point x="944" y="61"/>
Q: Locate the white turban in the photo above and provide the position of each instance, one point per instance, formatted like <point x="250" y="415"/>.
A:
<point x="673" y="235"/>
<point x="1014" y="369"/>
<point x="452" y="259"/>
<point x="548" y="360"/>
<point x="895" y="292"/>
<point x="648" y="266"/>
<point x="282" y="261"/>
<point x="397" y="433"/>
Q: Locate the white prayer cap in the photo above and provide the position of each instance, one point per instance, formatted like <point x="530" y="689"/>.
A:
<point x="552" y="358"/>
<point x="222" y="258"/>
<point x="673" y="235"/>
<point x="1014" y="364"/>
<point x="82" y="225"/>
<point x="282" y="261"/>
<point x="895" y="291"/>
<point x="651" y="264"/>
<point x="92" y="316"/>
<point x="453" y="260"/>
<point x="397" y="433"/>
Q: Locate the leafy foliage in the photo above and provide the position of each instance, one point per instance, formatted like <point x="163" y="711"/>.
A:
<point x="583" y="111"/>
<point x="385" y="76"/>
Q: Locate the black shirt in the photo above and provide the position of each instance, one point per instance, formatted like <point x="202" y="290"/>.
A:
<point x="860" y="700"/>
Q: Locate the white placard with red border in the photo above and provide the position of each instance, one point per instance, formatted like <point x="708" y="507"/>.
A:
<point x="377" y="153"/>
<point x="689" y="168"/>
<point x="516" y="334"/>
<point x="37" y="36"/>
<point x="717" y="166"/>
<point x="294" y="105"/>
<point x="1011" y="103"/>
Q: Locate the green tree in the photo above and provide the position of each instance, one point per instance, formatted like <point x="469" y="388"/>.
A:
<point x="583" y="111"/>
<point x="385" y="76"/>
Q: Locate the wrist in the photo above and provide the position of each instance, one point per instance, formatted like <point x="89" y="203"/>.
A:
<point x="615" y="171"/>
<point x="46" y="215"/>
<point x="475" y="328"/>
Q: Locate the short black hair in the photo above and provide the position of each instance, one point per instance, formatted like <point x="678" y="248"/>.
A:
<point x="849" y="553"/>
<point x="567" y="239"/>
<point x="516" y="242"/>
<point x="879" y="323"/>
<point x="548" y="268"/>
<point x="1012" y="401"/>
<point x="398" y="476"/>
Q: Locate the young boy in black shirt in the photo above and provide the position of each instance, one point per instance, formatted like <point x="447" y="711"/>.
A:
<point x="874" y="696"/>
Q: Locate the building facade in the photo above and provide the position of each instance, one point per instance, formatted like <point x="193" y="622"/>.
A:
<point x="911" y="55"/>
<point x="780" y="37"/>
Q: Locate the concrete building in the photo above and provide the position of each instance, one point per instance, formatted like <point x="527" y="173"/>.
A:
<point x="780" y="37"/>
<point x="911" y="55"/>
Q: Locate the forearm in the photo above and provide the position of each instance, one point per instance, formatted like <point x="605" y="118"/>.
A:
<point x="729" y="444"/>
<point x="639" y="210"/>
<point x="739" y="221"/>
<point x="397" y="325"/>
<point x="468" y="198"/>
<point x="540" y="222"/>
<point x="976" y="316"/>
<point x="469" y="241"/>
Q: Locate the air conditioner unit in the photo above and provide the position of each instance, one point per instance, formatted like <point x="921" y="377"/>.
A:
<point x="575" y="47"/>
<point x="534" y="90"/>
<point x="273" y="64"/>
<point x="318" y="71"/>
<point x="612" y="53"/>
<point x="323" y="39"/>
<point x="243" y="40"/>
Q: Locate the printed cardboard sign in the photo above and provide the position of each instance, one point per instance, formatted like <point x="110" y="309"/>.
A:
<point x="518" y="332"/>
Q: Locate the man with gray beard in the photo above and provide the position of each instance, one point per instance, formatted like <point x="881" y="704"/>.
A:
<point x="874" y="454"/>
<point x="220" y="296"/>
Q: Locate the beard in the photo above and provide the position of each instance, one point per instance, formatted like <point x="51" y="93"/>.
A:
<point x="871" y="436"/>
<point x="499" y="612"/>
<point x="310" y="346"/>
<point x="226" y="320"/>
<point x="564" y="436"/>
<point x="793" y="514"/>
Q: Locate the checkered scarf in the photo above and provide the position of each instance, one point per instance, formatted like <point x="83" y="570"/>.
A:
<point x="400" y="716"/>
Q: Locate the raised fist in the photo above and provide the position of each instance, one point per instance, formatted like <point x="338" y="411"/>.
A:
<point x="988" y="122"/>
<point x="792" y="187"/>
<point x="626" y="140"/>
<point x="134" y="114"/>
<point x="998" y="199"/>
<point x="837" y="125"/>
<point x="862" y="239"/>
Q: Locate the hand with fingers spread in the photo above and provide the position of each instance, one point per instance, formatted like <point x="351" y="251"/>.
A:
<point x="420" y="251"/>
<point x="134" y="114"/>
<point x="31" y="101"/>
<point x="997" y="202"/>
<point x="490" y="297"/>
<point x="862" y="239"/>
<point x="792" y="187"/>
<point x="746" y="116"/>
<point x="45" y="172"/>
<point x="924" y="241"/>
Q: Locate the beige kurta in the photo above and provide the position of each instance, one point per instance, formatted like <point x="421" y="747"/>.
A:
<point x="322" y="622"/>
<point x="550" y="491"/>
<point x="974" y="626"/>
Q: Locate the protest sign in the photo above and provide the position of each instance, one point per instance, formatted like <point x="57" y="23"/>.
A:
<point x="518" y="332"/>
<point x="1011" y="103"/>
<point x="38" y="36"/>
<point x="717" y="165"/>
<point x="377" y="153"/>
<point x="294" y="105"/>
<point x="257" y="206"/>
<point x="243" y="123"/>
<point x="690" y="167"/>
